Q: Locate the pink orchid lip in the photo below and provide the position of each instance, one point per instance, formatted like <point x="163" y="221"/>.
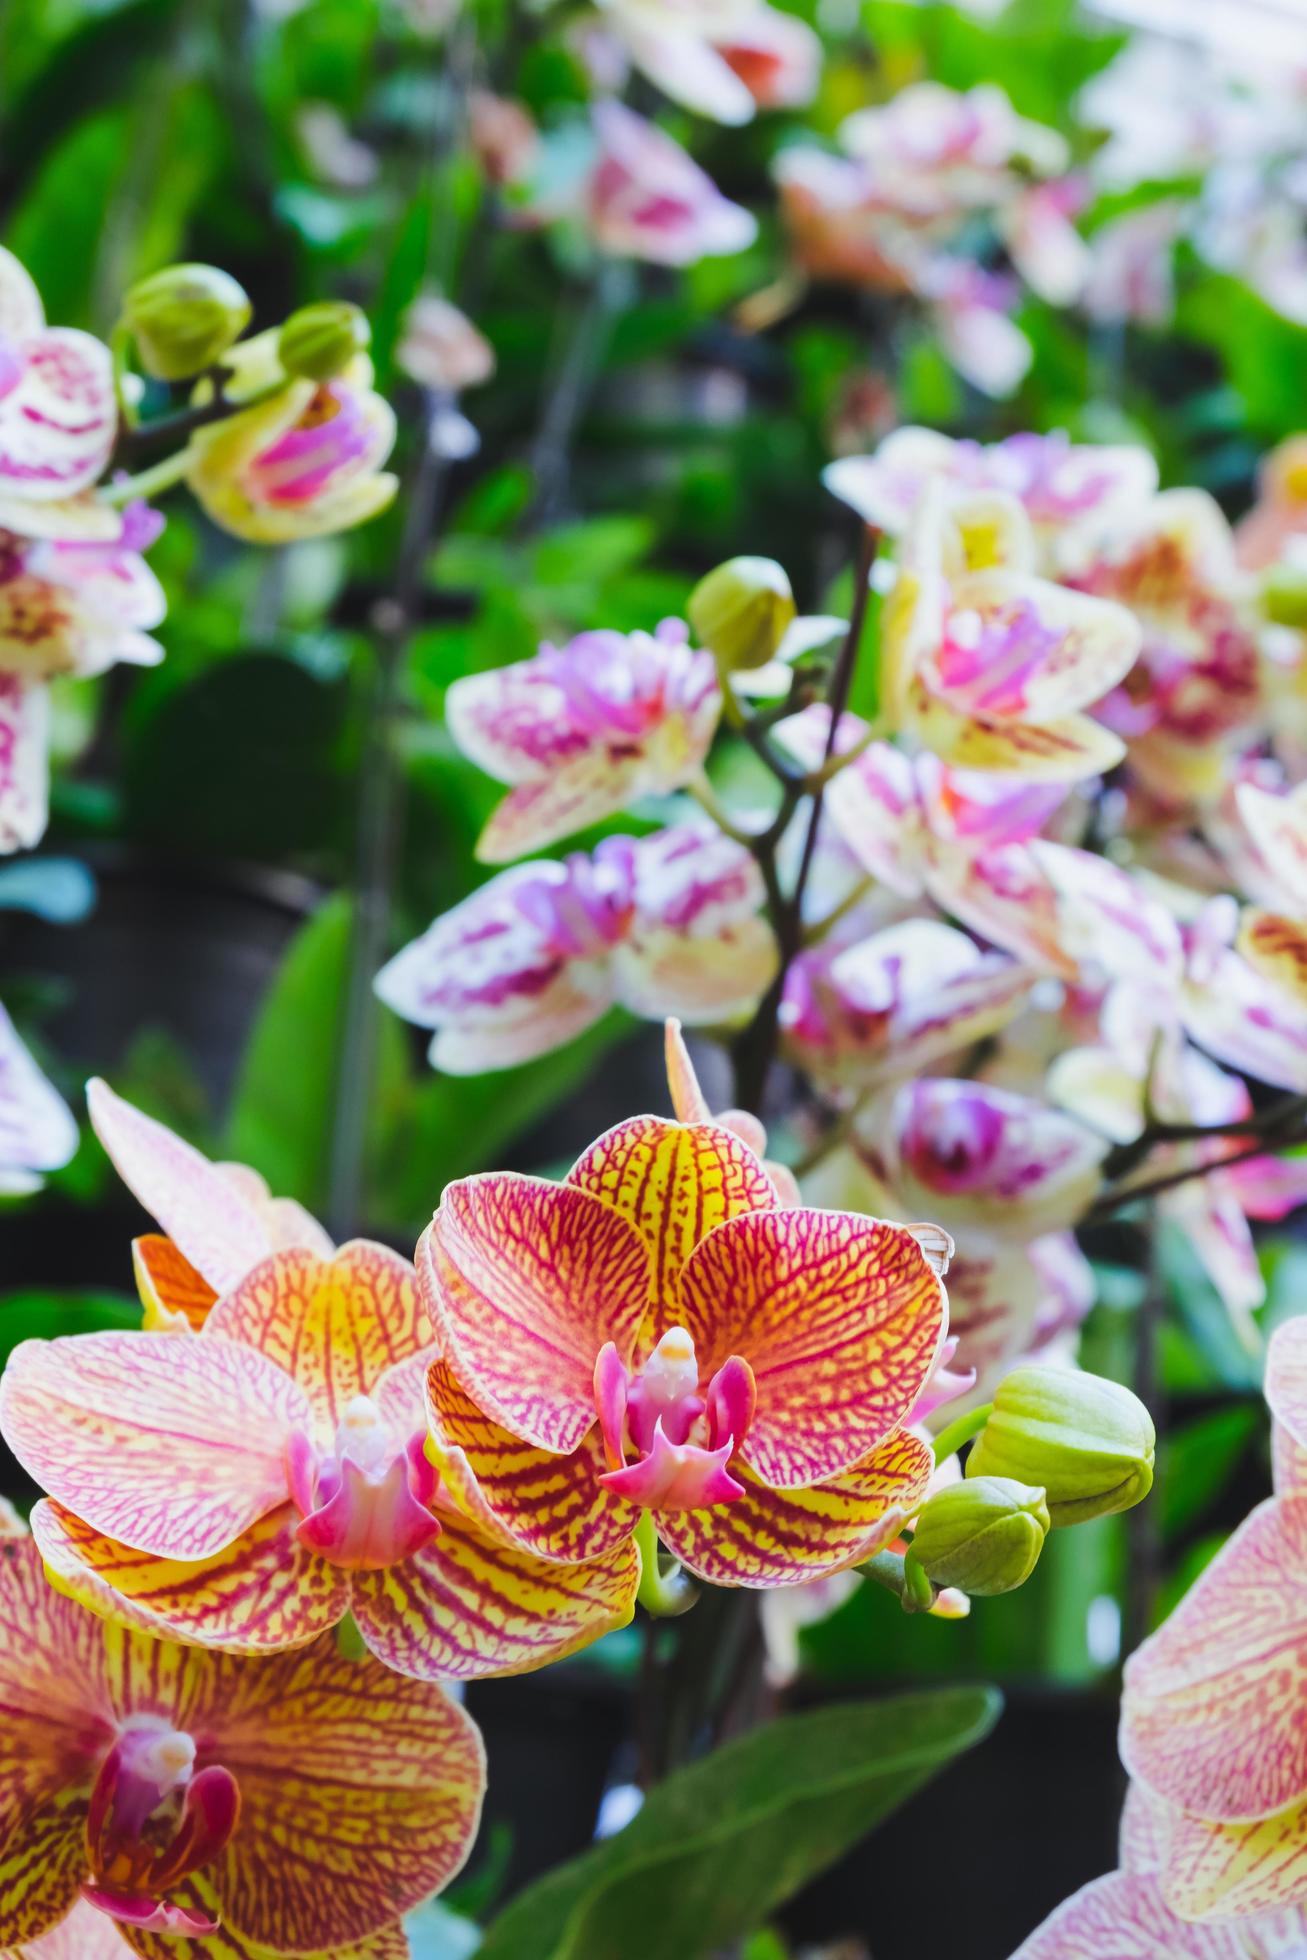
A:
<point x="683" y="1441"/>
<point x="332" y="436"/>
<point x="152" y="1821"/>
<point x="366" y="1504"/>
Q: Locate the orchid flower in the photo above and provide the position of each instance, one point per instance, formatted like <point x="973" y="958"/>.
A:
<point x="646" y="198"/>
<point x="1279" y="517"/>
<point x="246" y="1488"/>
<point x="37" y="1130"/>
<point x="989" y="665"/>
<point x="659" y="924"/>
<point x="86" y="1934"/>
<point x="657" y="1334"/>
<point x="1211" y="1718"/>
<point x="723" y="58"/>
<point x="690" y="1105"/>
<point x="175" y="1791"/>
<point x="584" y="729"/>
<point x="304" y="462"/>
<point x="58" y="416"/>
<point x="1275" y="941"/>
<point x="219" y="1220"/>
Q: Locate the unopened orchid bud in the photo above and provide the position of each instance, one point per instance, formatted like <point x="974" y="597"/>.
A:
<point x="1088" y="1441"/>
<point x="184" y="318"/>
<point x="1284" y="595"/>
<point x="319" y="341"/>
<point x="983" y="1536"/>
<point x="741" y="611"/>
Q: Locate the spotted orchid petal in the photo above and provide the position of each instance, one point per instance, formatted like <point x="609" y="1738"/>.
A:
<point x="525" y="1282"/>
<point x="84" y="1935"/>
<point x="37" y="1129"/>
<point x="263" y="1592"/>
<point x="24" y="768"/>
<point x="215" y="1226"/>
<point x="1278" y="828"/>
<point x="772" y="1537"/>
<point x="332" y="1325"/>
<point x="704" y="977"/>
<point x="591" y="788"/>
<point x="59" y="419"/>
<point x="1209" y="1719"/>
<point x="197" y="1895"/>
<point x="1125" y="1917"/>
<point x="555" y="1507"/>
<point x="468" y="1605"/>
<point x="359" y="1790"/>
<point x="175" y="1297"/>
<point x="54" y="1727"/>
<point x="1064" y="750"/>
<point x="1001" y="894"/>
<point x="172" y="1447"/>
<point x="1276" y="949"/>
<point x="1237" y="1872"/>
<point x="840" y="1318"/>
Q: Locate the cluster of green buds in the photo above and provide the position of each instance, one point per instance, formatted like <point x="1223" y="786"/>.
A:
<point x="184" y="319"/>
<point x="1056" y="1447"/>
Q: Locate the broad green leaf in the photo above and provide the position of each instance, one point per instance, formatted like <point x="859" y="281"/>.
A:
<point x="1198" y="1460"/>
<point x="719" y="1845"/>
<point x="41" y="1315"/>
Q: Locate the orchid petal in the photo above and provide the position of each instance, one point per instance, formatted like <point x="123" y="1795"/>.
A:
<point x="1064" y="750"/>
<point x="24" y="765"/>
<point x="526" y="1281"/>
<point x="839" y="1316"/>
<point x="215" y="1226"/>
<point x="37" y="1129"/>
<point x="198" y="1895"/>
<point x="84" y="1935"/>
<point x="702" y="978"/>
<point x="1210" y="1717"/>
<point x="263" y="1592"/>
<point x="1124" y="1917"/>
<point x="332" y="1325"/>
<point x="1286" y="1378"/>
<point x="1236" y="1870"/>
<point x="583" y="792"/>
<point x="1072" y="648"/>
<point x="1278" y="827"/>
<point x="553" y="1506"/>
<point x="58" y="424"/>
<point x="773" y="1537"/>
<point x="172" y="1447"/>
<point x="174" y="1295"/>
<point x="688" y="1099"/>
<point x="1276" y="948"/>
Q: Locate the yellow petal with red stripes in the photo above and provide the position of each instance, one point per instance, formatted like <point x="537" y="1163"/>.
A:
<point x="260" y="1594"/>
<point x="1277" y="948"/>
<point x="526" y="1281"/>
<point x="840" y="1318"/>
<point x="333" y="1325"/>
<point x="1235" y="1871"/>
<point x="84" y="1935"/>
<point x="785" y="1538"/>
<point x="198" y="1896"/>
<point x="175" y="1296"/>
<point x="1062" y="751"/>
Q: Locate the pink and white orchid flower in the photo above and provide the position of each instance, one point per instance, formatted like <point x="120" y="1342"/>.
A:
<point x="58" y="416"/>
<point x="668" y="923"/>
<point x="583" y="730"/>
<point x="723" y="58"/>
<point x="38" y="1132"/>
<point x="646" y="198"/>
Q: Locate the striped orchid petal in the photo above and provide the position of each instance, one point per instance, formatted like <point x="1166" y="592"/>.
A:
<point x="84" y="1935"/>
<point x="59" y="419"/>
<point x="24" y="761"/>
<point x="840" y="1318"/>
<point x="773" y="1537"/>
<point x="1125" y="1917"/>
<point x="332" y="1325"/>
<point x="176" y="1297"/>
<point x="674" y="1182"/>
<point x="551" y="1505"/>
<point x="215" y="1225"/>
<point x="469" y="1605"/>
<point x="172" y="1447"/>
<point x="525" y="1281"/>
<point x="1023" y="649"/>
<point x="263" y="1592"/>
<point x="1109" y="923"/>
<point x="360" y="1794"/>
<point x="1278" y="828"/>
<point x="1237" y="1871"/>
<point x="1276" y="949"/>
<point x="1210" y="1720"/>
<point x="1064" y="750"/>
<point x="538" y="814"/>
<point x="198" y="1895"/>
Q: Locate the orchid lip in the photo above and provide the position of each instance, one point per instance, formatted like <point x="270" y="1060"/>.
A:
<point x="365" y="1504"/>
<point x="153" y="1819"/>
<point x="681" y="1441"/>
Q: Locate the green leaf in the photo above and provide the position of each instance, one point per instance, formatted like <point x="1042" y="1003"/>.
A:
<point x="721" y="1844"/>
<point x="1197" y="1461"/>
<point x="39" y="1315"/>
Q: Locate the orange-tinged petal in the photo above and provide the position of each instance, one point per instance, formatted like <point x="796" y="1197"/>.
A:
<point x="174" y="1294"/>
<point x="675" y="1182"/>
<point x="551" y="1505"/>
<point x="1277" y="948"/>
<point x="525" y="1281"/>
<point x="172" y="1446"/>
<point x="1235" y="1870"/>
<point x="1211" y="1719"/>
<point x="468" y="1605"/>
<point x="360" y="1794"/>
<point x="214" y="1223"/>
<point x="839" y="1316"/>
<point x="333" y="1325"/>
<point x="784" y="1538"/>
<point x="199" y="1896"/>
<point x="263" y="1592"/>
<point x="688" y="1099"/>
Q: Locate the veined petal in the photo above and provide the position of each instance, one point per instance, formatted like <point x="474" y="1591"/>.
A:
<point x="265" y="1591"/>
<point x="515" y="723"/>
<point x="1276" y="947"/>
<point x="360" y="1792"/>
<point x="84" y="1935"/>
<point x="333" y="1325"/>
<point x="525" y="1281"/>
<point x="1062" y="751"/>
<point x="1245" y="1020"/>
<point x="1002" y="894"/>
<point x="1124" y="1917"/>
<point x="24" y="763"/>
<point x="214" y="1224"/>
<point x="1236" y="1870"/>
<point x="553" y="1506"/>
<point x="1213" y="1699"/>
<point x="674" y="1182"/>
<point x="174" y="1295"/>
<point x="580" y="793"/>
<point x="839" y="1316"/>
<point x="700" y="977"/>
<point x="787" y="1537"/>
<point x="42" y="1865"/>
<point x="1041" y="651"/>
<point x="1286" y="1378"/>
<point x="198" y="1895"/>
<point x="468" y="1605"/>
<point x="172" y="1447"/>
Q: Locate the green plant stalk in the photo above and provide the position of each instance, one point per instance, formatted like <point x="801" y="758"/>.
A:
<point x="951" y="1438"/>
<point x="664" y="1594"/>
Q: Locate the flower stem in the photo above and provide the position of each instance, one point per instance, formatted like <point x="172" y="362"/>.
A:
<point x="153" y="482"/>
<point x="662" y="1594"/>
<point x="951" y="1438"/>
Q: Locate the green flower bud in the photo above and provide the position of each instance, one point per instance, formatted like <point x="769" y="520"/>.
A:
<point x="1284" y="595"/>
<point x="984" y="1536"/>
<point x="1089" y="1442"/>
<point x="741" y="611"/>
<point x="185" y="318"/>
<point x="320" y="341"/>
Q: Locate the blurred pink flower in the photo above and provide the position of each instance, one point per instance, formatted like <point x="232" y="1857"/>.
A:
<point x="37" y="1130"/>
<point x="646" y="198"/>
